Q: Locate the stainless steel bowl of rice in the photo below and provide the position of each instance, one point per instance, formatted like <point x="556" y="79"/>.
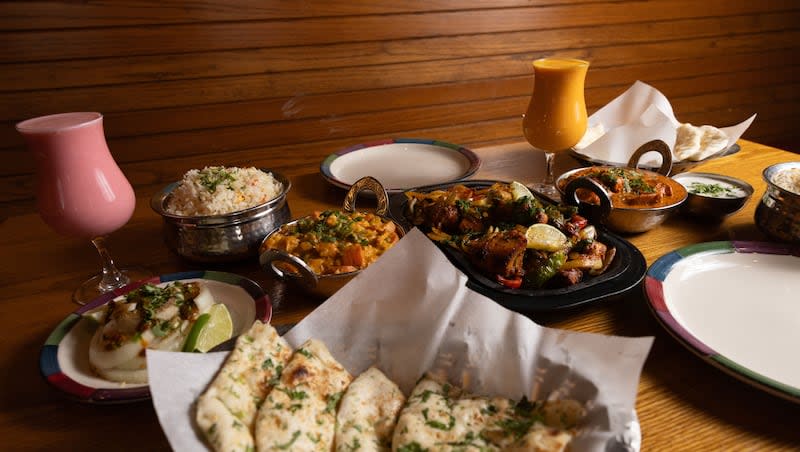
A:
<point x="221" y="214"/>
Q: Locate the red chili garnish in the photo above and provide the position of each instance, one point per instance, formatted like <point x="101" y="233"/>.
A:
<point x="512" y="283"/>
<point x="579" y="221"/>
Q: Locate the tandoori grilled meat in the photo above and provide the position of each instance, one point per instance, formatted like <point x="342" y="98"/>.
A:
<point x="498" y="252"/>
<point x="489" y="226"/>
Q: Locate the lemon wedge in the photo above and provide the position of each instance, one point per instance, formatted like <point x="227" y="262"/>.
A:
<point x="544" y="237"/>
<point x="520" y="191"/>
<point x="210" y="329"/>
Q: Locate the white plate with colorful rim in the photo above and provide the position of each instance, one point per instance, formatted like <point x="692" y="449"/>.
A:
<point x="734" y="304"/>
<point x="64" y="359"/>
<point x="400" y="163"/>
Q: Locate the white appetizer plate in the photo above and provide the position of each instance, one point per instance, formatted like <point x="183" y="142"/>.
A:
<point x="736" y="305"/>
<point x="400" y="163"/>
<point x="64" y="360"/>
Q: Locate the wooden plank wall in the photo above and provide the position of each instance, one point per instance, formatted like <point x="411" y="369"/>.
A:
<point x="188" y="83"/>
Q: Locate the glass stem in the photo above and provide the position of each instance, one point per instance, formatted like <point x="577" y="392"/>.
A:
<point x="112" y="277"/>
<point x="549" y="179"/>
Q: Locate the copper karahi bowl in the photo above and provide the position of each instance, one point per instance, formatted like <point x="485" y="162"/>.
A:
<point x="299" y="273"/>
<point x="222" y="238"/>
<point x="629" y="218"/>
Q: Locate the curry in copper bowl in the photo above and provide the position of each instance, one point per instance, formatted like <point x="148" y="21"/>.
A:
<point x="624" y="199"/>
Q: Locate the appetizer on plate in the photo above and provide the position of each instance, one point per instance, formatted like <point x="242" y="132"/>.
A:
<point x="154" y="317"/>
<point x="509" y="234"/>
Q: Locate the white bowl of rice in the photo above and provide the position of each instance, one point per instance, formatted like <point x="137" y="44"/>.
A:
<point x="221" y="214"/>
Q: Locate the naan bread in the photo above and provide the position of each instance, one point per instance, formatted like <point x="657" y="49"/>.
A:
<point x="299" y="413"/>
<point x="430" y="420"/>
<point x="712" y="140"/>
<point x="227" y="409"/>
<point x="368" y="413"/>
<point x="698" y="143"/>
<point x="439" y="417"/>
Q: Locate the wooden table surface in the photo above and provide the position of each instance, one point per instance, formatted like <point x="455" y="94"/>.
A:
<point x="683" y="403"/>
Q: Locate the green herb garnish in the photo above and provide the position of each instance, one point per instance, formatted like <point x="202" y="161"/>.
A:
<point x="294" y="395"/>
<point x="333" y="400"/>
<point x="411" y="447"/>
<point x="291" y="441"/>
<point x="213" y="176"/>
<point x="714" y="190"/>
<point x="437" y="424"/>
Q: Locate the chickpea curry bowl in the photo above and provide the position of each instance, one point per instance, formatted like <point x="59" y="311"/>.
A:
<point x="322" y="251"/>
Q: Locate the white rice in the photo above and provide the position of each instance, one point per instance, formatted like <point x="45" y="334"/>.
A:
<point x="788" y="179"/>
<point x="217" y="190"/>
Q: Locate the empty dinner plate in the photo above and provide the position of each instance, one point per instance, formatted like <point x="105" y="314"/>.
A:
<point x="735" y="304"/>
<point x="400" y="163"/>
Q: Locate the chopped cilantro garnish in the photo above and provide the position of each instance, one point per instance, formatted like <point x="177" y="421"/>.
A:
<point x="437" y="424"/>
<point x="713" y="190"/>
<point x="213" y="176"/>
<point x="294" y="395"/>
<point x="287" y="445"/>
<point x="333" y="400"/>
<point x="411" y="447"/>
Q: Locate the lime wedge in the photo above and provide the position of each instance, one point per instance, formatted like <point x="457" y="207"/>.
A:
<point x="520" y="191"/>
<point x="544" y="237"/>
<point x="210" y="330"/>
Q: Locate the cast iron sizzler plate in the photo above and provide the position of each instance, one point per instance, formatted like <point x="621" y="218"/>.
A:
<point x="625" y="272"/>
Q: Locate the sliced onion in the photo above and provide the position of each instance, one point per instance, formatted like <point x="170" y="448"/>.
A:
<point x="101" y="358"/>
<point x="204" y="299"/>
<point x="588" y="233"/>
<point x="124" y="375"/>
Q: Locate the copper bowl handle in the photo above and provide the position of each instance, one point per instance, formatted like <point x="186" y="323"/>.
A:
<point x="595" y="213"/>
<point x="367" y="183"/>
<point x="268" y="258"/>
<point x="653" y="146"/>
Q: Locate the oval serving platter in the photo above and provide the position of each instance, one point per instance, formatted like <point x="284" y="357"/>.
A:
<point x="400" y="163"/>
<point x="625" y="272"/>
<point x="64" y="359"/>
<point x="735" y="305"/>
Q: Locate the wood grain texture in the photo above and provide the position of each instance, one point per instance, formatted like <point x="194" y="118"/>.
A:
<point x="224" y="82"/>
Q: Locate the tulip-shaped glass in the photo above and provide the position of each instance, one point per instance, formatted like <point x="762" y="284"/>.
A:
<point x="80" y="190"/>
<point x="556" y="116"/>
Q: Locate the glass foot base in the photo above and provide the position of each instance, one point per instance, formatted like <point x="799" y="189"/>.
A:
<point x="90" y="289"/>
<point x="548" y="190"/>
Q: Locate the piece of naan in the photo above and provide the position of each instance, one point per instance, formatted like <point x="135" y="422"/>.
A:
<point x="694" y="143"/>
<point x="438" y="416"/>
<point x="368" y="413"/>
<point x="227" y="409"/>
<point x="299" y="414"/>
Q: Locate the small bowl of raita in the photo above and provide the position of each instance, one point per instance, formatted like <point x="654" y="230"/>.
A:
<point x="713" y="196"/>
